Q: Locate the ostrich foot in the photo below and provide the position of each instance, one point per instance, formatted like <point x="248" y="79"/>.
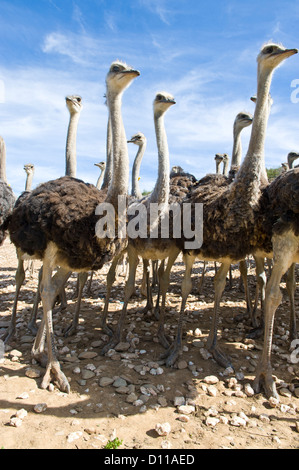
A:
<point x="111" y="345"/>
<point x="107" y="330"/>
<point x="264" y="380"/>
<point x="147" y="310"/>
<point x="9" y="334"/>
<point x="255" y="333"/>
<point x="32" y="327"/>
<point x="221" y="358"/>
<point x="171" y="355"/>
<point x="41" y="358"/>
<point x="162" y="338"/>
<point x="55" y="374"/>
<point x="70" y="330"/>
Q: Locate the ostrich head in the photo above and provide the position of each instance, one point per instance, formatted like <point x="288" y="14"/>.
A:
<point x="219" y="157"/>
<point x="242" y="120"/>
<point x="120" y="76"/>
<point x="74" y="103"/>
<point x="138" y="139"/>
<point x="292" y="156"/>
<point x="175" y="170"/>
<point x="101" y="165"/>
<point x="271" y="55"/>
<point x="162" y="102"/>
<point x="29" y="168"/>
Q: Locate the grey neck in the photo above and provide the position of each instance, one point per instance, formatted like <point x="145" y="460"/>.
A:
<point x="70" y="156"/>
<point x="120" y="174"/>
<point x="136" y="170"/>
<point x="109" y="158"/>
<point x="160" y="193"/>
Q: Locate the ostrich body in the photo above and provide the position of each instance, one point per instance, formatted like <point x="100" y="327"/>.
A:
<point x="57" y="224"/>
<point x="231" y="212"/>
<point x="146" y="247"/>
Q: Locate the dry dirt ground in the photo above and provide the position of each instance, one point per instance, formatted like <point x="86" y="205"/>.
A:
<point x="139" y="392"/>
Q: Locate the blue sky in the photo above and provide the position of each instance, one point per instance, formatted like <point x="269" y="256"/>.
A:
<point x="202" y="52"/>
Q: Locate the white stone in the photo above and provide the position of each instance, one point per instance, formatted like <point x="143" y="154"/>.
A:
<point x="212" y="391"/>
<point x="178" y="401"/>
<point x="163" y="429"/>
<point x="186" y="409"/>
<point x="211" y="421"/>
<point x="16" y="422"/>
<point x="248" y="390"/>
<point x="40" y="407"/>
<point x="237" y="421"/>
<point x="22" y="413"/>
<point x="74" y="435"/>
<point x="211" y="379"/>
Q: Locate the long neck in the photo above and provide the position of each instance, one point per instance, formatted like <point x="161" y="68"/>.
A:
<point x="136" y="170"/>
<point x="100" y="180"/>
<point x="252" y="172"/>
<point x="2" y="160"/>
<point x="70" y="155"/>
<point x="218" y="168"/>
<point x="225" y="167"/>
<point x="237" y="148"/>
<point x="29" y="182"/>
<point x="109" y="158"/>
<point x="160" y="193"/>
<point x="120" y="175"/>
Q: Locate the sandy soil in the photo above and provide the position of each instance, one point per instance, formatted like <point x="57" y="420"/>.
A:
<point x="139" y="392"/>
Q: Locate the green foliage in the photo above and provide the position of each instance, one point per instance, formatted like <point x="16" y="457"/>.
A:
<point x="273" y="173"/>
<point x="145" y="192"/>
<point x="113" y="444"/>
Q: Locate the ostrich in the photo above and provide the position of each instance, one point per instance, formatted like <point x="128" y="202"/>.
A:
<point x="230" y="213"/>
<point x="7" y="198"/>
<point x="74" y="105"/>
<point x="102" y="166"/>
<point x="58" y="224"/>
<point x="143" y="244"/>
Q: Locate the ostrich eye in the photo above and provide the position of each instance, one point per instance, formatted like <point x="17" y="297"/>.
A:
<point x="269" y="50"/>
<point x="159" y="97"/>
<point x="115" y="68"/>
<point x="79" y="100"/>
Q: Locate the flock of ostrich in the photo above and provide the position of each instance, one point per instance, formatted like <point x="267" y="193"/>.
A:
<point x="243" y="215"/>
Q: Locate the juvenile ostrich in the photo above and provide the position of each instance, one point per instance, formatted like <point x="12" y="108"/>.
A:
<point x="57" y="223"/>
<point x="7" y="198"/>
<point x="142" y="244"/>
<point x="230" y="214"/>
